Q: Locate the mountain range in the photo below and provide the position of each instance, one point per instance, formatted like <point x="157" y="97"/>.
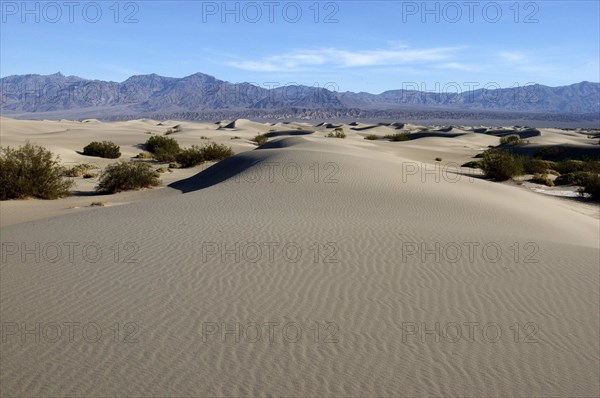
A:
<point x="197" y="94"/>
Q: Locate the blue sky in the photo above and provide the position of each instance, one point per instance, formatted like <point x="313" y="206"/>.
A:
<point x="346" y="45"/>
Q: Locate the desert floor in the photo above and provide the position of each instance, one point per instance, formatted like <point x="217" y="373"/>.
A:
<point x="311" y="266"/>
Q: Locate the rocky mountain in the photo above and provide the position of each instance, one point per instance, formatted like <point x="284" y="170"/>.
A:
<point x="73" y="96"/>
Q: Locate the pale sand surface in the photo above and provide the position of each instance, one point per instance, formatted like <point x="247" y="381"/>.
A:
<point x="368" y="205"/>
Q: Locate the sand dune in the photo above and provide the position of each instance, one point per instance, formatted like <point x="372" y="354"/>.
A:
<point x="367" y="270"/>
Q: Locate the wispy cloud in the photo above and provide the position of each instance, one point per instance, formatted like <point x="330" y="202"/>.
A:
<point x="300" y="60"/>
<point x="513" y="57"/>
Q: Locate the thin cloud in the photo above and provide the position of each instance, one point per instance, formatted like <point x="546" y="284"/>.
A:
<point x="336" y="58"/>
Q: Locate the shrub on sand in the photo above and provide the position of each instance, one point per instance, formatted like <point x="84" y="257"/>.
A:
<point x="104" y="149"/>
<point x="260" y="139"/>
<point x="164" y="149"/>
<point x="31" y="171"/>
<point x="123" y="176"/>
<point x="501" y="166"/>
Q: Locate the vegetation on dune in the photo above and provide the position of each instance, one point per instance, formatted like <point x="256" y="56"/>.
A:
<point x="260" y="139"/>
<point x="124" y="176"/>
<point x="31" y="171"/>
<point x="337" y="133"/>
<point x="591" y="186"/>
<point x="542" y="179"/>
<point x="195" y="155"/>
<point x="404" y="136"/>
<point x="163" y="149"/>
<point x="79" y="170"/>
<point x="501" y="166"/>
<point x="512" y="140"/>
<point x="371" y="137"/>
<point x="104" y="149"/>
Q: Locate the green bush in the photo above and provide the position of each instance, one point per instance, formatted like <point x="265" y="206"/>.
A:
<point x="195" y="155"/>
<point x="512" y="140"/>
<point x="337" y="133"/>
<point x="397" y="137"/>
<point x="164" y="149"/>
<point x="575" y="178"/>
<point x="190" y="157"/>
<point x="591" y="186"/>
<point x="573" y="166"/>
<point x="501" y="166"/>
<point x="537" y="166"/>
<point x="79" y="170"/>
<point x="31" y="171"/>
<point x="123" y="176"/>
<point x="214" y="151"/>
<point x="104" y="149"/>
<point x="260" y="139"/>
<point x="542" y="179"/>
<point x="371" y="137"/>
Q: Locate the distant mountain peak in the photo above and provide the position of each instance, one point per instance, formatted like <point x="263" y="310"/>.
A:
<point x="142" y="94"/>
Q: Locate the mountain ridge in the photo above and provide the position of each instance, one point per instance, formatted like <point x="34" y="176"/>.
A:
<point x="199" y="92"/>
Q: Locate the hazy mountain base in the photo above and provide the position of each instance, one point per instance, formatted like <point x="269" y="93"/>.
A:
<point x="434" y="117"/>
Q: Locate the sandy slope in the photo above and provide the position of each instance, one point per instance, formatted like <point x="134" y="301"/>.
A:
<point x="370" y="285"/>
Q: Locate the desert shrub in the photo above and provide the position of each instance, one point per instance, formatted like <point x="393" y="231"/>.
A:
<point x="144" y="155"/>
<point x="501" y="166"/>
<point x="78" y="170"/>
<point x="473" y="164"/>
<point x="123" y="176"/>
<point x="511" y="140"/>
<point x="591" y="186"/>
<point x="542" y="179"/>
<point x="104" y="149"/>
<point x="260" y="139"/>
<point x="31" y="171"/>
<point x="236" y="137"/>
<point x="397" y="137"/>
<point x="163" y="169"/>
<point x="575" y="178"/>
<point x="203" y="137"/>
<point x="190" y="157"/>
<point x="438" y="159"/>
<point x="337" y="133"/>
<point x="537" y="166"/>
<point x="174" y="165"/>
<point x="195" y="155"/>
<point x="371" y="137"/>
<point x="569" y="166"/>
<point x="550" y="152"/>
<point x="163" y="149"/>
<point x="90" y="175"/>
<point x="214" y="151"/>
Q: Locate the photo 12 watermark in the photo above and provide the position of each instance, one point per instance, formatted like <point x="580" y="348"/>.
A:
<point x="454" y="332"/>
<point x="437" y="252"/>
<point x="290" y="172"/>
<point x="525" y="12"/>
<point x="252" y="12"/>
<point x="270" y="332"/>
<point x="69" y="332"/>
<point x="68" y="252"/>
<point x="269" y="252"/>
<point x="119" y="12"/>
